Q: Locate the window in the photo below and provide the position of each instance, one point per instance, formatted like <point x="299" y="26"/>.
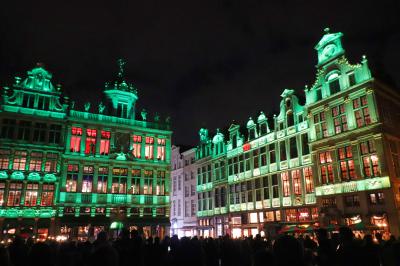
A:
<point x="179" y="207"/>
<point x="14" y="194"/>
<point x="352" y="79"/>
<point x="216" y="197"/>
<point x="43" y="102"/>
<point x="39" y="132"/>
<point x="275" y="186"/>
<point x="291" y="215"/>
<point x="7" y="129"/>
<point x="76" y="135"/>
<point x="4" y="159"/>
<point x="54" y="134"/>
<point x="179" y="182"/>
<point x="256" y="159"/>
<point x="149" y="153"/>
<point x="377" y="198"/>
<point x="265" y="188"/>
<point x="272" y="158"/>
<point x="305" y="149"/>
<point x="35" y="163"/>
<point x="19" y="160"/>
<point x="28" y="100"/>
<point x="51" y="163"/>
<point x="326" y="168"/>
<point x="102" y="180"/>
<point x="290" y="119"/>
<point x="90" y="147"/>
<point x="2" y="192"/>
<point x="24" y="130"/>
<point x="148" y="182"/>
<point x="329" y="202"/>
<point x="370" y="161"/>
<point x="87" y="179"/>
<point x="161" y="149"/>
<point x="72" y="177"/>
<point x="118" y="185"/>
<point x="346" y="163"/>
<point x="361" y="111"/>
<point x="193" y="204"/>
<point x="296" y="182"/>
<point x="105" y="142"/>
<point x="137" y="146"/>
<point x="321" y="129"/>
<point x="31" y="194"/>
<point x="192" y="190"/>
<point x="135" y="182"/>
<point x="263" y="156"/>
<point x="282" y="151"/>
<point x="293" y="148"/>
<point x="334" y="86"/>
<point x="285" y="184"/>
<point x="352" y="201"/>
<point x="308" y="178"/>
<point x="186" y="191"/>
<point x="160" y="187"/>
<point x="339" y="118"/>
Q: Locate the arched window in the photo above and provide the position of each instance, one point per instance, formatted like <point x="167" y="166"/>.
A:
<point x="333" y="82"/>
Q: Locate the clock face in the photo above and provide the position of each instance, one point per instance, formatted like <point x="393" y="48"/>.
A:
<point x="329" y="50"/>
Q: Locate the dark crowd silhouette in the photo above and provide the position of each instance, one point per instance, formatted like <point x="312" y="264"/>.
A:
<point x="130" y="249"/>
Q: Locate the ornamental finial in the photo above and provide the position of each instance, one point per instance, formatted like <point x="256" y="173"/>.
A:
<point x="326" y="30"/>
<point x="121" y="64"/>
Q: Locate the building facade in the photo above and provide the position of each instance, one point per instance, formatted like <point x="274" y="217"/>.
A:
<point x="74" y="173"/>
<point x="183" y="193"/>
<point x="332" y="160"/>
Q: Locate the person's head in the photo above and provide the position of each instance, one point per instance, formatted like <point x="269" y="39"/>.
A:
<point x="378" y="237"/>
<point x="368" y="239"/>
<point x="345" y="234"/>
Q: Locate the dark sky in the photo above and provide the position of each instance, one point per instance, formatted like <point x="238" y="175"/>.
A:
<point x="204" y="63"/>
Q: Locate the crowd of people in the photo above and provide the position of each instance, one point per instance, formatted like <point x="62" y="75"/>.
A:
<point x="130" y="249"/>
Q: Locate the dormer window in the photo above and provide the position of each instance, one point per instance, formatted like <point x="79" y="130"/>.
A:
<point x="288" y="103"/>
<point x="234" y="141"/>
<point x="352" y="79"/>
<point x="333" y="82"/>
<point x="263" y="128"/>
<point x="252" y="133"/>
<point x="318" y="94"/>
<point x="289" y="118"/>
<point x="122" y="110"/>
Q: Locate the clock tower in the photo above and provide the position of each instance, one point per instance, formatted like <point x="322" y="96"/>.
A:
<point x="329" y="47"/>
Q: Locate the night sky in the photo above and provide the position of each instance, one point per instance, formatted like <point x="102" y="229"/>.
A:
<point x="203" y="64"/>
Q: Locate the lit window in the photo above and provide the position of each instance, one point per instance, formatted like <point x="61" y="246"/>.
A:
<point x="14" y="194"/>
<point x="361" y="111"/>
<point x="51" y="162"/>
<point x="105" y="142"/>
<point x="308" y="178"/>
<point x="339" y="118"/>
<point x="137" y="146"/>
<point x="90" y="147"/>
<point x="161" y="149"/>
<point x="285" y="184"/>
<point x="346" y="163"/>
<point x="87" y="179"/>
<point x="39" y="132"/>
<point x="76" y="135"/>
<point x="321" y="129"/>
<point x="119" y="180"/>
<point x="296" y="182"/>
<point x="135" y="184"/>
<point x="4" y="159"/>
<point x="326" y="167"/>
<point x="31" y="194"/>
<point x="2" y="192"/>
<point x="102" y="180"/>
<point x="35" y="163"/>
<point x="148" y="182"/>
<point x="370" y="159"/>
<point x="149" y="153"/>
<point x="19" y="160"/>
<point x="72" y="178"/>
<point x="47" y="195"/>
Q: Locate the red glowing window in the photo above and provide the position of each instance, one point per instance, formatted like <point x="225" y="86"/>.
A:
<point x="90" y="147"/>
<point x="105" y="142"/>
<point x="149" y="140"/>
<point x="137" y="138"/>
<point x="75" y="144"/>
<point x="246" y="147"/>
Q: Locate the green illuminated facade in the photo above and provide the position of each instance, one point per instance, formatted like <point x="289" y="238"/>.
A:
<point x="71" y="172"/>
<point x="332" y="160"/>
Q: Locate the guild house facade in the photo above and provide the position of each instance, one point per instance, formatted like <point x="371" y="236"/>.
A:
<point x="71" y="173"/>
<point x="332" y="160"/>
